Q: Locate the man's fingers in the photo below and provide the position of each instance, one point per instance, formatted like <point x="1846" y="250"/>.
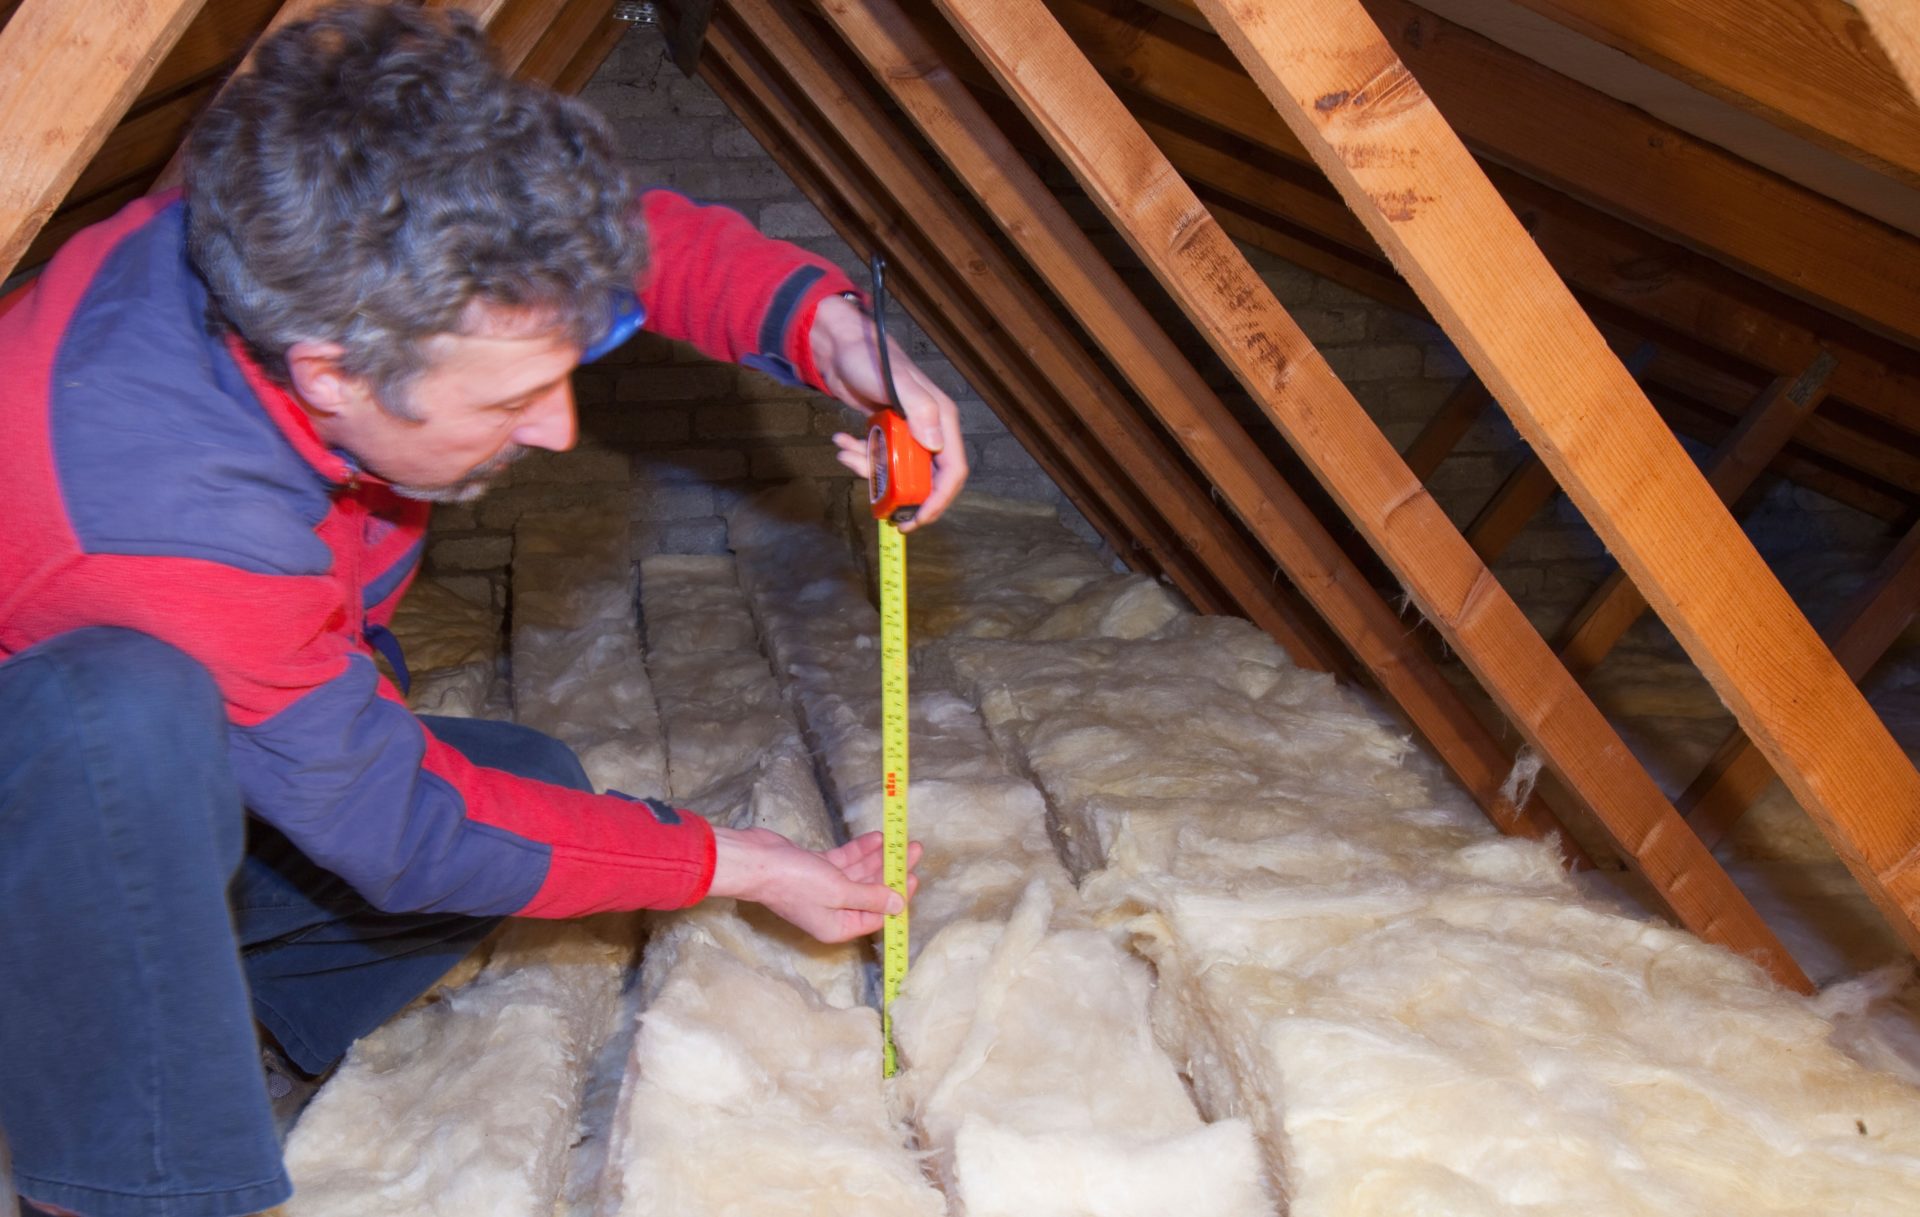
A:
<point x="871" y="898"/>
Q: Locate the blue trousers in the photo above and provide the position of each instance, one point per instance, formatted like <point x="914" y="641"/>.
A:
<point x="146" y="923"/>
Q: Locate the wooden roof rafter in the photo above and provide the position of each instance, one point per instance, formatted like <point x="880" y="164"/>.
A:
<point x="1172" y="232"/>
<point x="1033" y="221"/>
<point x="73" y="77"/>
<point x="1607" y="154"/>
<point x="1248" y="167"/>
<point x="1897" y="26"/>
<point x="929" y="230"/>
<point x="1355" y="105"/>
<point x="1801" y="64"/>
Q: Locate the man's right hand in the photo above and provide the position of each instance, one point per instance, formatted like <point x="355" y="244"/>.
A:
<point x="834" y="894"/>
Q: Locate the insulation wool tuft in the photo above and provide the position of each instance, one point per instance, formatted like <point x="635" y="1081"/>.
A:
<point x="753" y="1082"/>
<point x="1019" y="1020"/>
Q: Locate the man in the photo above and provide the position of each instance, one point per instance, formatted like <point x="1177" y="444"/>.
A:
<point x="221" y="420"/>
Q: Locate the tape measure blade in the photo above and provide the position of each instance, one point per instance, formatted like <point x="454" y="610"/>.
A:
<point x="893" y="729"/>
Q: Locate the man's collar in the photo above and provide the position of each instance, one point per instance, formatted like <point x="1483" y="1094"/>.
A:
<point x="294" y="422"/>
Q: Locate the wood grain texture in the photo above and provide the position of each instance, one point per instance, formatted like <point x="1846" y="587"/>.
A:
<point x="1862" y="631"/>
<point x="68" y="72"/>
<point x="593" y="52"/>
<point x="564" y="38"/>
<point x="1171" y="230"/>
<point x="1733" y="466"/>
<point x="1616" y="157"/>
<point x="1634" y="270"/>
<point x="1803" y="64"/>
<point x="1896" y="25"/>
<point x="1351" y="101"/>
<point x="1133" y="342"/>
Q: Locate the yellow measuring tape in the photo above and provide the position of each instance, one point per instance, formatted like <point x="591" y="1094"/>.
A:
<point x="893" y="751"/>
<point x="900" y="478"/>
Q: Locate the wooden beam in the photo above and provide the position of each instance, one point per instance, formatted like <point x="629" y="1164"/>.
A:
<point x="571" y="28"/>
<point x="174" y="172"/>
<point x="575" y="76"/>
<point x="516" y="27"/>
<point x="1614" y="261"/>
<point x="1897" y="26"/>
<point x="1874" y="465"/>
<point x="1732" y="467"/>
<point x="1799" y="63"/>
<point x="1619" y="158"/>
<point x="1033" y="220"/>
<point x="1357" y="108"/>
<point x="1870" y="452"/>
<point x="1862" y="632"/>
<point x="1008" y="310"/>
<point x="1169" y="228"/>
<point x="1525" y="491"/>
<point x="68" y="72"/>
<point x="1206" y="541"/>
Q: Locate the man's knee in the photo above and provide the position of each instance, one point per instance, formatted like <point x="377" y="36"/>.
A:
<point x="126" y="684"/>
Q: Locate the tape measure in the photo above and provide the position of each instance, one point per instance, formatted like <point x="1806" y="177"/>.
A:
<point x="893" y="760"/>
<point x="899" y="479"/>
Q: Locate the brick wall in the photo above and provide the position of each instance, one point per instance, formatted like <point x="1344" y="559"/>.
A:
<point x="685" y="438"/>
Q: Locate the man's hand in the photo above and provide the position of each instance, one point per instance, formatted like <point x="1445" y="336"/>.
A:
<point x="835" y="895"/>
<point x="849" y="363"/>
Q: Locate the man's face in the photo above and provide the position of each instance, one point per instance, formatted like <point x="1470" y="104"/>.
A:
<point x="485" y="397"/>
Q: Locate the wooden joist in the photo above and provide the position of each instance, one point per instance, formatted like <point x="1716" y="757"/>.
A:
<point x="1352" y="102"/>
<point x="1057" y="353"/>
<point x="70" y="72"/>
<point x="1172" y="232"/>
<point x="1798" y="63"/>
<point x="1732" y="467"/>
<point x="1861" y="633"/>
<point x="1897" y="26"/>
<point x="592" y="54"/>
<point x="1524" y="492"/>
<point x="1133" y="342"/>
<point x="566" y="34"/>
<point x="1024" y="348"/>
<point x="1621" y="159"/>
<point x="1612" y="261"/>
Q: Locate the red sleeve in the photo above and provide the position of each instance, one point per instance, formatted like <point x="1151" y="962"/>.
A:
<point x="324" y="750"/>
<point x="713" y="280"/>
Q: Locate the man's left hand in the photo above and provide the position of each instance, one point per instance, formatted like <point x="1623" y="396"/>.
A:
<point x="849" y="363"/>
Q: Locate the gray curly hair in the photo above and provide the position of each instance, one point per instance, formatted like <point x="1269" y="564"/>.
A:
<point x="376" y="173"/>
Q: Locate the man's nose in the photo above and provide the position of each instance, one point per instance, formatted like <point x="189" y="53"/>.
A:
<point x="551" y="423"/>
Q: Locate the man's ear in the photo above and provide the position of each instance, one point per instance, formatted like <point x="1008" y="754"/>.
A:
<point x="321" y="384"/>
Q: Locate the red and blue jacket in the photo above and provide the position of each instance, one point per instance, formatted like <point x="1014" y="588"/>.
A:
<point x="154" y="479"/>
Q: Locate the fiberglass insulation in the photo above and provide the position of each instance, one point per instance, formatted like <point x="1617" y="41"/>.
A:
<point x="469" y="1103"/>
<point x="753" y="1084"/>
<point x="578" y="673"/>
<point x="1027" y="1061"/>
<point x="1421" y="1016"/>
